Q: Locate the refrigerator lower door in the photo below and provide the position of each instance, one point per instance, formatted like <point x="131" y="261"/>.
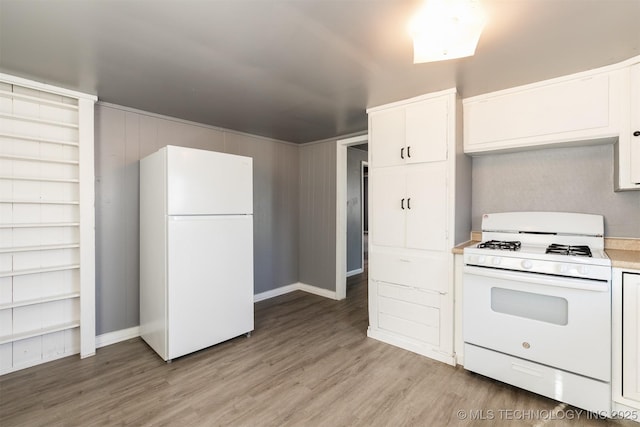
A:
<point x="210" y="281"/>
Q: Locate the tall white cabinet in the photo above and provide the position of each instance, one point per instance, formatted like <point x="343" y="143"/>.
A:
<point x="419" y="207"/>
<point x="47" y="247"/>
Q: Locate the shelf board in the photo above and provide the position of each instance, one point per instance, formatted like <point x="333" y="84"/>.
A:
<point x="38" y="139"/>
<point x="39" y="270"/>
<point x="44" y="179"/>
<point x="38" y="159"/>
<point x="38" y="120"/>
<point x="41" y="202"/>
<point x="37" y="248"/>
<point x="39" y="332"/>
<point x="41" y="225"/>
<point x="20" y="96"/>
<point x="42" y="300"/>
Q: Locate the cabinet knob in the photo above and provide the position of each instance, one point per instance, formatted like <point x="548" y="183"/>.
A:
<point x="636" y="133"/>
<point x="409" y="151"/>
<point x="402" y="153"/>
<point x="402" y="204"/>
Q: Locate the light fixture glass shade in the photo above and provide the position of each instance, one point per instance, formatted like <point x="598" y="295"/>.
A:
<point x="446" y="29"/>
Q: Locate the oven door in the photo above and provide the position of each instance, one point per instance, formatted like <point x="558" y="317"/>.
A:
<point x="560" y="322"/>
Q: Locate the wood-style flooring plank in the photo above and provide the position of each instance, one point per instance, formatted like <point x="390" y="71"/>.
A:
<point x="308" y="363"/>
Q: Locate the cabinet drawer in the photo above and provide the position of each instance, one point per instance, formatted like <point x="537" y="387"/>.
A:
<point x="407" y="328"/>
<point x="425" y="271"/>
<point x="416" y="313"/>
<point x="412" y="320"/>
<point x="404" y="293"/>
<point x="574" y="389"/>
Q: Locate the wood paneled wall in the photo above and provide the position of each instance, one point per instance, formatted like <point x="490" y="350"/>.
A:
<point x="317" y="266"/>
<point x="122" y="138"/>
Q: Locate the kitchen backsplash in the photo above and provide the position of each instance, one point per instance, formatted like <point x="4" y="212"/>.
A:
<point x="573" y="179"/>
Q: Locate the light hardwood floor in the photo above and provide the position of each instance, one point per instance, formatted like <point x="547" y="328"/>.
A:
<point x="308" y="363"/>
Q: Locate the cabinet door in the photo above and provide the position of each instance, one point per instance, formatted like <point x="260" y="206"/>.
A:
<point x="576" y="109"/>
<point x="387" y="206"/>
<point x="388" y="138"/>
<point x="426" y="213"/>
<point x="630" y="332"/>
<point x="426" y="131"/>
<point x="635" y="124"/>
<point x="425" y="270"/>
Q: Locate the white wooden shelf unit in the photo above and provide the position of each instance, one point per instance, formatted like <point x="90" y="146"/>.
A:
<point x="47" y="225"/>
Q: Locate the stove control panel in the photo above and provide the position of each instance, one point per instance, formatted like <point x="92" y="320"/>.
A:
<point x="556" y="268"/>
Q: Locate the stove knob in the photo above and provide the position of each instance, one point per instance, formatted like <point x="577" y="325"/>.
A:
<point x="481" y="259"/>
<point x="564" y="268"/>
<point x="584" y="270"/>
<point x="527" y="264"/>
<point x="496" y="261"/>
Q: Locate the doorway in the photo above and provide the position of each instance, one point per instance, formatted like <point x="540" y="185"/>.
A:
<point x="349" y="206"/>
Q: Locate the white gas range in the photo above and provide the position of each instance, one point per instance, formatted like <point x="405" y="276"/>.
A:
<point x="537" y="306"/>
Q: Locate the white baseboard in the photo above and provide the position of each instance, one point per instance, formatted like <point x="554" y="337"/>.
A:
<point x="275" y="292"/>
<point x="117" y="336"/>
<point x="295" y="287"/>
<point x="411" y="345"/>
<point x="317" y="291"/>
<point x="354" y="272"/>
<point x="125" y="334"/>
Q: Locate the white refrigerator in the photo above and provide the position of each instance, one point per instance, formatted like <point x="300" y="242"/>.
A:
<point x="196" y="249"/>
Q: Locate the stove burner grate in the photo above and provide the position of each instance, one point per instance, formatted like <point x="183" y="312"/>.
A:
<point x="501" y="244"/>
<point x="580" y="250"/>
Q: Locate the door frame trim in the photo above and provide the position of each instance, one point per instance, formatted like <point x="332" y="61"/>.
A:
<point x="341" y="211"/>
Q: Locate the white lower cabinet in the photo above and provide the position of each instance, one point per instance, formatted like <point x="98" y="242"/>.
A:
<point x="626" y="342"/>
<point x="412" y="318"/>
<point x="630" y="331"/>
<point x="419" y="269"/>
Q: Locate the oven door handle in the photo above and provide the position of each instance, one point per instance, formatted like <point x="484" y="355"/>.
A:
<point x="537" y="279"/>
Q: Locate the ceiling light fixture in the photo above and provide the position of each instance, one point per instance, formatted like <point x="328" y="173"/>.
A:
<point x="446" y="29"/>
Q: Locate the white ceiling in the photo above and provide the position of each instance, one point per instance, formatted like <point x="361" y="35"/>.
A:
<point x="297" y="70"/>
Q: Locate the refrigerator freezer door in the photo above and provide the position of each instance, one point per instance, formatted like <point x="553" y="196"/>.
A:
<point x="201" y="182"/>
<point x="210" y="281"/>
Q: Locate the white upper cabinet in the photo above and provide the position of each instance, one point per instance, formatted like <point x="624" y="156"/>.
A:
<point x="627" y="158"/>
<point x="411" y="133"/>
<point x="596" y="106"/>
<point x="635" y="126"/>
<point x="581" y="107"/>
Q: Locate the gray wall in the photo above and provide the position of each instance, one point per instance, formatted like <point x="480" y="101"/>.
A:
<point x="355" y="157"/>
<point x="575" y="179"/>
<point x="318" y="214"/>
<point x="122" y="137"/>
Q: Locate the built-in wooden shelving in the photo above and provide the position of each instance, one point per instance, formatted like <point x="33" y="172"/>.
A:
<point x="42" y="300"/>
<point x="40" y="101"/>
<point x="48" y="264"/>
<point x="37" y="139"/>
<point x="38" y="120"/>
